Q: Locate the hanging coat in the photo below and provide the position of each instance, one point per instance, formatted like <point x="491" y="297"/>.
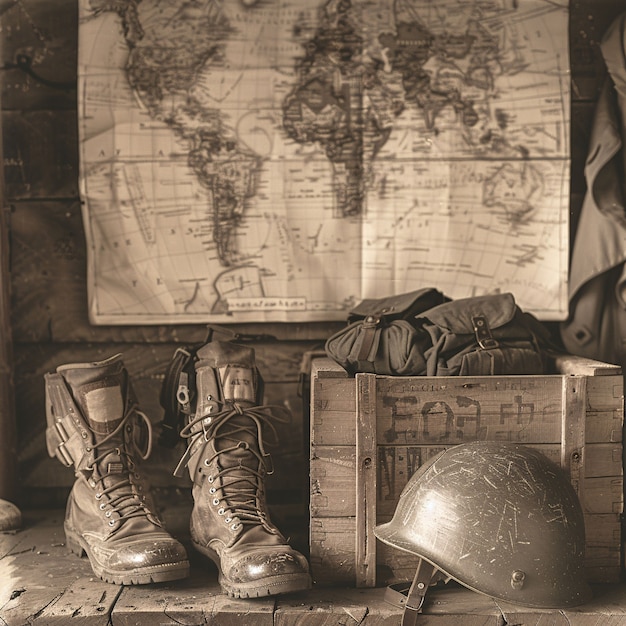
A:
<point x="596" y="327"/>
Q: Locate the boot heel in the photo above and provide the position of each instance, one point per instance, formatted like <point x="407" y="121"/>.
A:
<point x="73" y="545"/>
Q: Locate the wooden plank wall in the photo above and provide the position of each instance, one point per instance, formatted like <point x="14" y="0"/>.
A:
<point x="48" y="257"/>
<point x="8" y="435"/>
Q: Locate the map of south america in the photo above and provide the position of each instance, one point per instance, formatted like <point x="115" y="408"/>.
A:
<point x="167" y="49"/>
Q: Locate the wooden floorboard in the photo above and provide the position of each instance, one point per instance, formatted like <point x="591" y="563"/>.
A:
<point x="42" y="584"/>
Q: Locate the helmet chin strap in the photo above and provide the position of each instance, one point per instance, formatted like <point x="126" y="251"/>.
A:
<point x="426" y="574"/>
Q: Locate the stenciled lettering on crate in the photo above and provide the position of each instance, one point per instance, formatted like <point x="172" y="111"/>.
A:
<point x="575" y="419"/>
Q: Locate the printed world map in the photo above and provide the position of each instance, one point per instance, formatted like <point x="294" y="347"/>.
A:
<point x="273" y="160"/>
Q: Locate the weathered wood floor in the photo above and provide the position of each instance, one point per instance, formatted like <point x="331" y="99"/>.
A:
<point x="41" y="584"/>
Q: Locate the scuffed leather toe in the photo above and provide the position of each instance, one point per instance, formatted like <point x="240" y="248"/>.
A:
<point x="262" y="564"/>
<point x="141" y="553"/>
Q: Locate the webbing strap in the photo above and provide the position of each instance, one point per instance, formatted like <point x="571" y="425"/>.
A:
<point x="170" y="426"/>
<point x="413" y="599"/>
<point x="370" y="327"/>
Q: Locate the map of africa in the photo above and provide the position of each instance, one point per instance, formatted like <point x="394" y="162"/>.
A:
<point x="256" y="160"/>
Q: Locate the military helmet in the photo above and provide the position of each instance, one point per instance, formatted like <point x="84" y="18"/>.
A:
<point x="499" y="518"/>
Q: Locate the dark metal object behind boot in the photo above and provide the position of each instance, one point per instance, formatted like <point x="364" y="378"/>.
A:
<point x="228" y="463"/>
<point x="94" y="424"/>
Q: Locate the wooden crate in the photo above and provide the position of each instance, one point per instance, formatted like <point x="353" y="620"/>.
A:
<point x="370" y="433"/>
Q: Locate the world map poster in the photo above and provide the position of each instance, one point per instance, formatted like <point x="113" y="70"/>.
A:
<point x="281" y="160"/>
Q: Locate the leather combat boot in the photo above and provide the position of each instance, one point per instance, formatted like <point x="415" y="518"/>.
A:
<point x="221" y="397"/>
<point x="94" y="425"/>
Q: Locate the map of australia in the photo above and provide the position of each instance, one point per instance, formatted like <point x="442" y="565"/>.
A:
<point x="266" y="161"/>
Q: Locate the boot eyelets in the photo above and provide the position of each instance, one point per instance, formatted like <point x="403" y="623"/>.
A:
<point x="107" y="514"/>
<point x="235" y="526"/>
<point x="98" y="496"/>
<point x="112" y="522"/>
<point x="216" y="501"/>
<point x="103" y="506"/>
<point x="212" y="490"/>
<point x="221" y="511"/>
<point x="228" y="520"/>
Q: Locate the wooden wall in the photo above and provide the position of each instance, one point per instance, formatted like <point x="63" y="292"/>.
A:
<point x="48" y="265"/>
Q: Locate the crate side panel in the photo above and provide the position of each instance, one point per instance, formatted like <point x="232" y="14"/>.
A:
<point x="603" y="459"/>
<point x="333" y="481"/>
<point x="603" y="495"/>
<point x="604" y="409"/>
<point x="453" y="410"/>
<point x="333" y="411"/>
<point x="333" y="477"/>
<point x="332" y="550"/>
<point x="396" y="465"/>
<point x="602" y="530"/>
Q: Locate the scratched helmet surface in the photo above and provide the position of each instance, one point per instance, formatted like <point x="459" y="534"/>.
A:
<point x="501" y="519"/>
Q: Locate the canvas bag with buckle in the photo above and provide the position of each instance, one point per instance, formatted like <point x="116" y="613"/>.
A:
<point x="381" y="336"/>
<point x="483" y="336"/>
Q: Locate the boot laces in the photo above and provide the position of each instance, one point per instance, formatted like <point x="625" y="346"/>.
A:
<point x="123" y="496"/>
<point x="241" y="484"/>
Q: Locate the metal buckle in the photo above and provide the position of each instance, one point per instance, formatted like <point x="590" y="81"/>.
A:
<point x="61" y="453"/>
<point x="484" y="338"/>
<point x="371" y="321"/>
<point x="182" y="393"/>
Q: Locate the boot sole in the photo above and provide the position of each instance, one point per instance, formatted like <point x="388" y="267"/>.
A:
<point x="271" y="586"/>
<point x="156" y="574"/>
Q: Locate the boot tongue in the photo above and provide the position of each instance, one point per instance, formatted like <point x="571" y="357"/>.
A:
<point x="98" y="389"/>
<point x="234" y="379"/>
<point x="236" y="369"/>
<point x="238" y="384"/>
<point x="238" y="387"/>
